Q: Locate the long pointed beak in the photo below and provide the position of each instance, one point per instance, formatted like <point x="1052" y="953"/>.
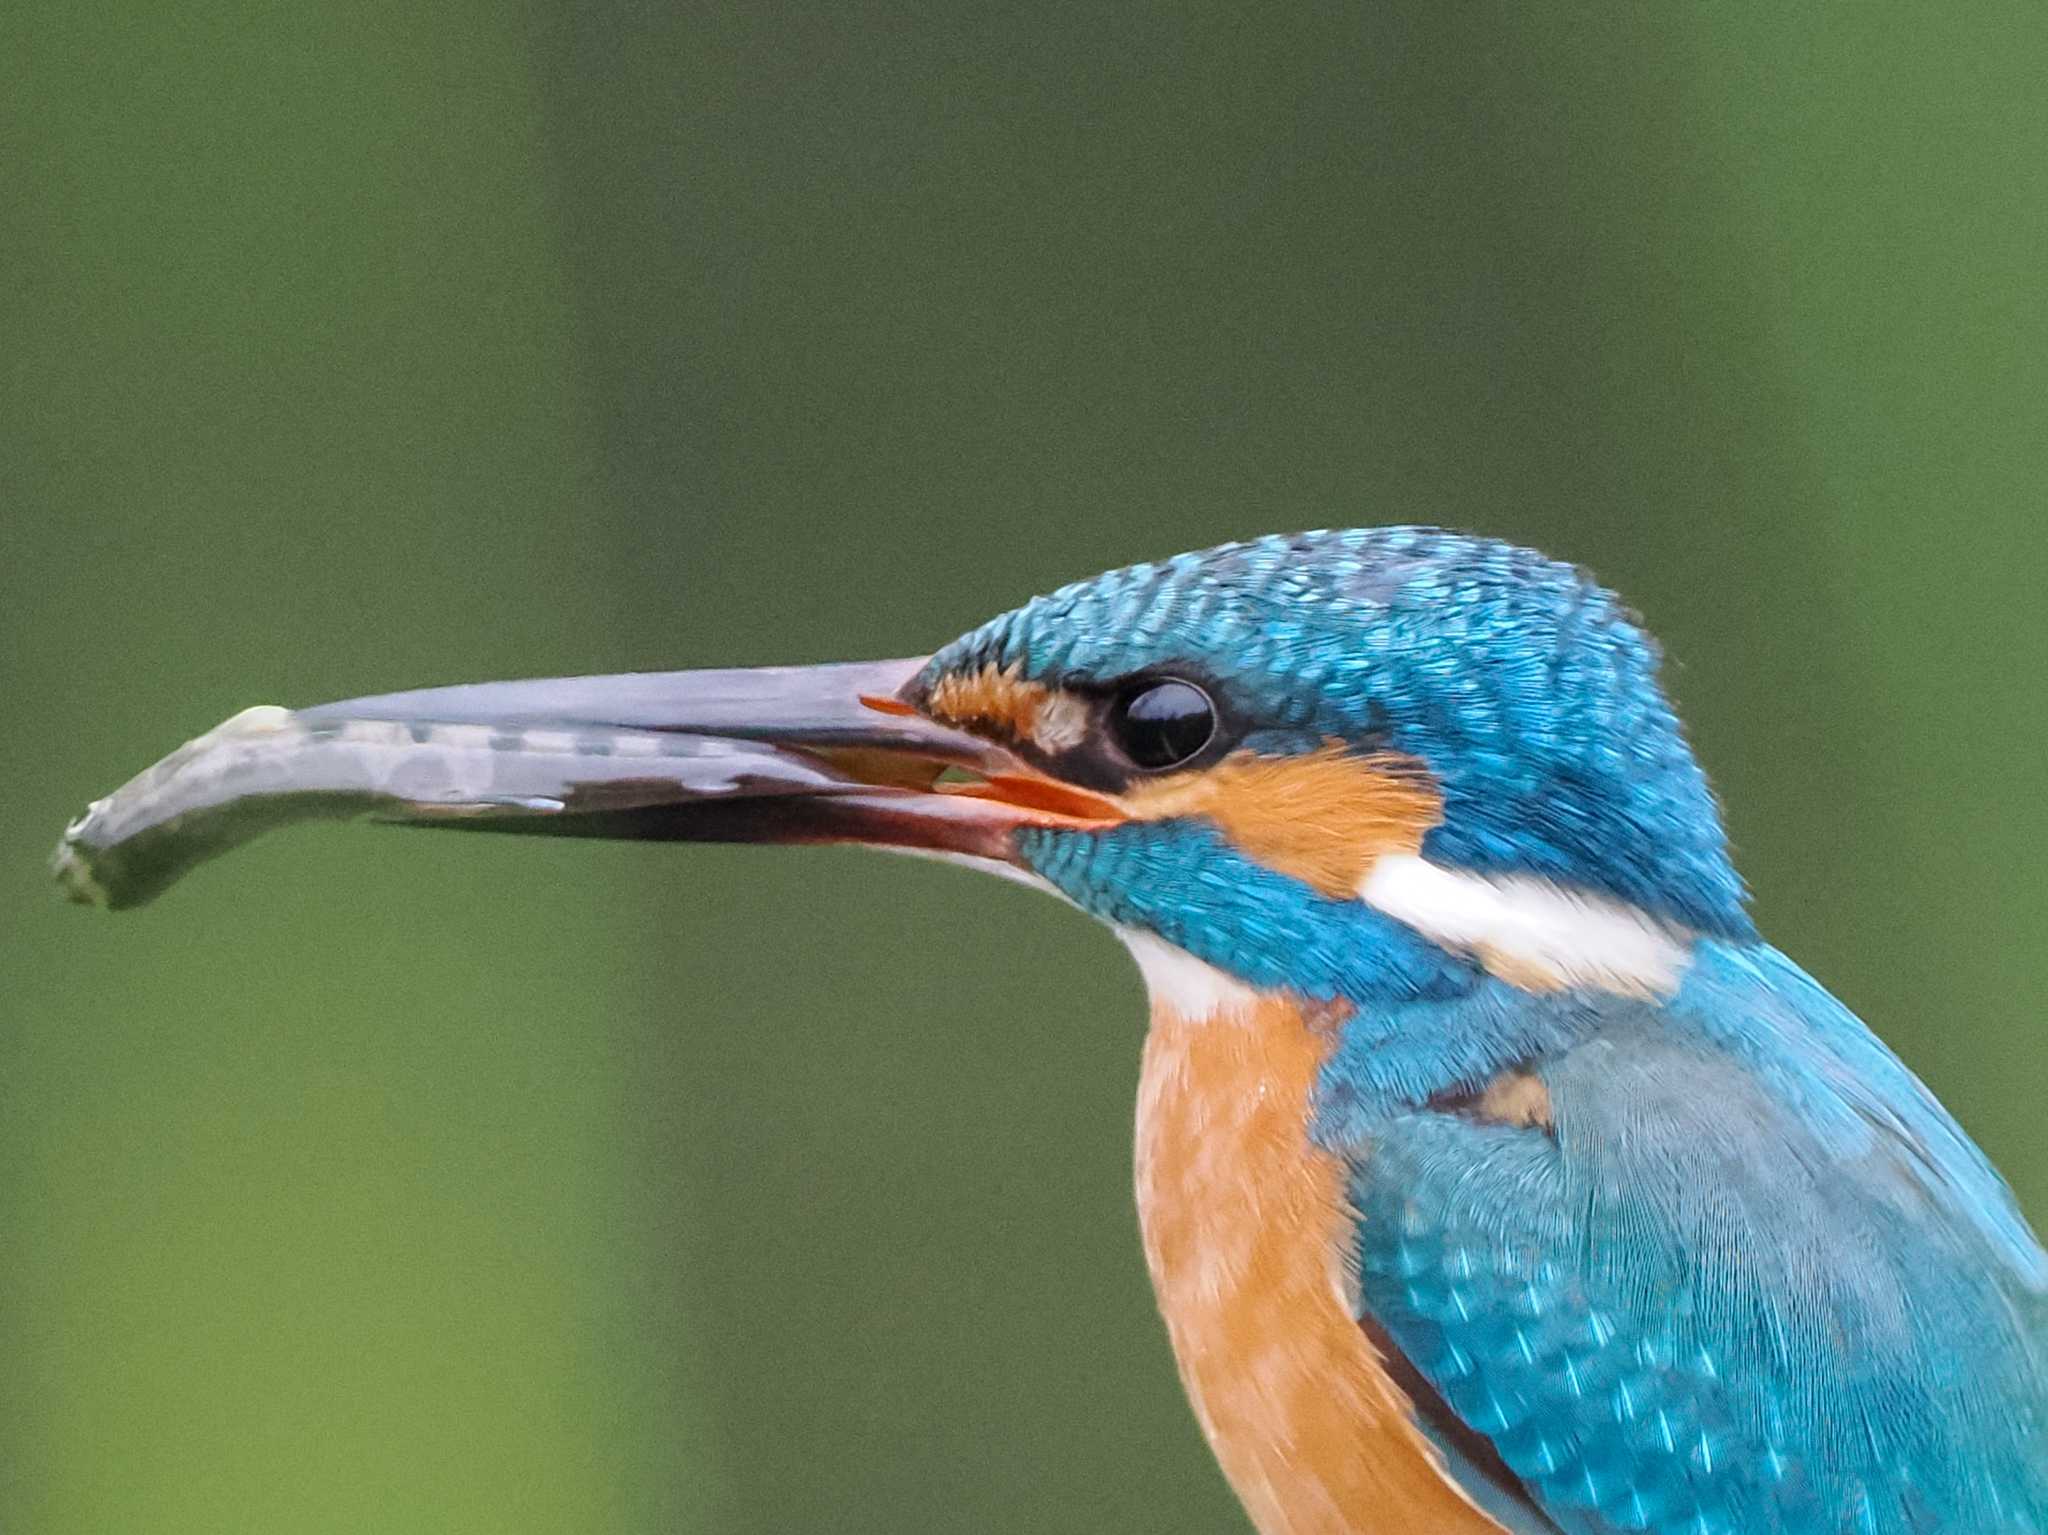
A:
<point x="767" y="754"/>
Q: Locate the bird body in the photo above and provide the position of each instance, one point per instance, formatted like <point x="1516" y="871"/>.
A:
<point x="1635" y="1226"/>
<point x="1494" y="1174"/>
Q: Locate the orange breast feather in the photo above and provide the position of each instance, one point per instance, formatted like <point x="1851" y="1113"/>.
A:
<point x="1242" y="1220"/>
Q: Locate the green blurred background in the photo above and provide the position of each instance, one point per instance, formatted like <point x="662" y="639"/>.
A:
<point x="377" y="1181"/>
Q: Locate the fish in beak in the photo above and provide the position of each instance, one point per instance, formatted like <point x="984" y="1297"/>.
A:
<point x="810" y="754"/>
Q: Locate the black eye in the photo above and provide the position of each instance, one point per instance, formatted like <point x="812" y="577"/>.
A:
<point x="1162" y="724"/>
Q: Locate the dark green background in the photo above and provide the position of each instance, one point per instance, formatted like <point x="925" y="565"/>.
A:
<point x="377" y="1181"/>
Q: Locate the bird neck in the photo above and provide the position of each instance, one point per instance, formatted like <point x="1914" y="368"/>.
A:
<point x="1444" y="980"/>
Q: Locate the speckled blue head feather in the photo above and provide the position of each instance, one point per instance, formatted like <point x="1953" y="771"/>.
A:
<point x="1529" y="693"/>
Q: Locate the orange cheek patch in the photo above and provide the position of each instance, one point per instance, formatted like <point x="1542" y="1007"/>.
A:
<point x="1324" y="818"/>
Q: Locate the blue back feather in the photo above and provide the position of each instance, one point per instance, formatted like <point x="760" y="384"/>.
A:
<point x="1754" y="1279"/>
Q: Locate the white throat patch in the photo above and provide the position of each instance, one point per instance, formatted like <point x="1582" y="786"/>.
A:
<point x="1530" y="931"/>
<point x="1180" y="983"/>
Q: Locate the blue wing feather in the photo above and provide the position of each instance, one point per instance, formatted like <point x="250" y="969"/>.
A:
<point x="1752" y="1278"/>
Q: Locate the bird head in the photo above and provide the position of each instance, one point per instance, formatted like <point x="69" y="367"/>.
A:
<point x="1306" y="736"/>
<point x="1338" y="762"/>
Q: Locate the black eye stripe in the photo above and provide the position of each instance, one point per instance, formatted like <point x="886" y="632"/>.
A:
<point x="1161" y="723"/>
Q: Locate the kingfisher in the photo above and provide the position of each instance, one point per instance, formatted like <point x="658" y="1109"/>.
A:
<point x="1493" y="1173"/>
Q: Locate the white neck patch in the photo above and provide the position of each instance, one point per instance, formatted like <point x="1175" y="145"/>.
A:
<point x="1180" y="983"/>
<point x="1530" y="931"/>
